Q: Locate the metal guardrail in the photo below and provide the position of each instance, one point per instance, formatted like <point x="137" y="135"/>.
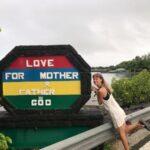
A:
<point x="95" y="136"/>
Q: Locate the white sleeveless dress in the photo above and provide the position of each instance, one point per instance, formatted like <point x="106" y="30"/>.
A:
<point x="116" y="112"/>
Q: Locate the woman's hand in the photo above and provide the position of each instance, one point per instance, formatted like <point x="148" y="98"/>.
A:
<point x="94" y="89"/>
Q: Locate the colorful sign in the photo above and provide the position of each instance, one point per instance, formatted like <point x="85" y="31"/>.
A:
<point x="41" y="82"/>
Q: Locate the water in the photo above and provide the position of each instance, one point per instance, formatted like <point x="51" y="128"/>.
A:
<point x="108" y="78"/>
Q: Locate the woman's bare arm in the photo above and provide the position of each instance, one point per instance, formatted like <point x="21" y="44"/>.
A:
<point x="100" y="97"/>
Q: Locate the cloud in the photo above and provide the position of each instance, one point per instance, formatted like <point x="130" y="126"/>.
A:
<point x="98" y="29"/>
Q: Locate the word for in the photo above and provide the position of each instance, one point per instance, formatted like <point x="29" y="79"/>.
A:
<point x="14" y="75"/>
<point x="36" y="92"/>
<point x="39" y="63"/>
<point x="59" y="75"/>
<point x="41" y="102"/>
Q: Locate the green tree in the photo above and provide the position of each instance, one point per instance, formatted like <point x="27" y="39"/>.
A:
<point x="137" y="64"/>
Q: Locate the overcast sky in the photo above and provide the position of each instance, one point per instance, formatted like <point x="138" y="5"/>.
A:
<point x="104" y="32"/>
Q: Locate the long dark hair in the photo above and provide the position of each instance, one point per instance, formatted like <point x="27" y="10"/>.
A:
<point x="104" y="83"/>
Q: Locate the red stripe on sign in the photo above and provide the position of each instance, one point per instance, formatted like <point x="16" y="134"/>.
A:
<point x="41" y="62"/>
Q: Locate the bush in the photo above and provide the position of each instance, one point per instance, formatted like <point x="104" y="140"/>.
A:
<point x="135" y="90"/>
<point x="4" y="141"/>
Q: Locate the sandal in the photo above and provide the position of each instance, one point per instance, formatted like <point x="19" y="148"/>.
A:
<point x="145" y="124"/>
<point x="128" y="122"/>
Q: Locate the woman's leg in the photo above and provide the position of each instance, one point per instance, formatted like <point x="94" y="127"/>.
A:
<point x="123" y="137"/>
<point x="133" y="127"/>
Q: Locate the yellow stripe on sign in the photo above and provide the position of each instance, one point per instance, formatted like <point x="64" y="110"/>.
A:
<point x="42" y="88"/>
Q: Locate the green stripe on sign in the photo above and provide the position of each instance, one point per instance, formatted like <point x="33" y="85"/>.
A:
<point x="48" y="102"/>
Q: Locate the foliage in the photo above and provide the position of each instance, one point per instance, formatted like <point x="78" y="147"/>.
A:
<point x="137" y="64"/>
<point x="107" y="146"/>
<point x="135" y="90"/>
<point x="4" y="141"/>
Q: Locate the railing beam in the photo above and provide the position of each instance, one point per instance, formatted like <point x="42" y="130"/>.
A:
<point x="95" y="136"/>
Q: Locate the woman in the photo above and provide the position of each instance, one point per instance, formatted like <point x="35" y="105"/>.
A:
<point x="117" y="114"/>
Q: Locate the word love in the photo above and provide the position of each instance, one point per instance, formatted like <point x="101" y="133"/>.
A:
<point x="40" y="63"/>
